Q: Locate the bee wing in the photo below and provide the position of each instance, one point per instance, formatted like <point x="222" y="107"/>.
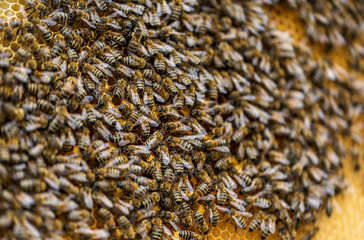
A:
<point x="237" y="222"/>
<point x="175" y="227"/>
<point x="116" y="13"/>
<point x="87" y="198"/>
<point x="114" y="112"/>
<point x="184" y="128"/>
<point x="271" y="225"/>
<point x="208" y="197"/>
<point x="246" y="214"/>
<point x="179" y="86"/>
<point x="31" y="229"/>
<point x="115" y="26"/>
<point x="100" y="234"/>
<point x="103" y="67"/>
<point x="165" y="158"/>
<point x="166" y="230"/>
<point x="82" y="56"/>
<point x="152" y="122"/>
<point x="148" y="214"/>
<point x="25" y="199"/>
<point x="184" y="196"/>
<point x="231" y="192"/>
<point x="93" y="77"/>
<point x="170" y="62"/>
<point x="87" y="99"/>
<point x="191" y="137"/>
<point x="189" y="186"/>
<point x="186" y="164"/>
<point x="158" y="97"/>
<point x="223" y="209"/>
<point x="88" y="22"/>
<point x="126" y="204"/>
<point x="138" y="10"/>
<point x="99" y="4"/>
<point x="105" y="133"/>
<point x="49" y="22"/>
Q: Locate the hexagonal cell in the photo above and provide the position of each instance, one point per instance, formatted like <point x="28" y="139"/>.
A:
<point x="9" y="13"/>
<point x="216" y="232"/>
<point x="14" y="46"/>
<point x="4" y="5"/>
<point x="15" y="7"/>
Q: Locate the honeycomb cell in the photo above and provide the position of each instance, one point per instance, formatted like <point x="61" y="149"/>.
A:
<point x="15" y="7"/>
<point x="216" y="232"/>
<point x="9" y="13"/>
<point x="4" y="5"/>
<point x="225" y="235"/>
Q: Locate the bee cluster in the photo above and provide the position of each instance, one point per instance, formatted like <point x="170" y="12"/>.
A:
<point x="332" y="23"/>
<point x="153" y="119"/>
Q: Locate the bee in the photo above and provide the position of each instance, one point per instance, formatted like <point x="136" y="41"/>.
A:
<point x="119" y="89"/>
<point x="118" y="38"/>
<point x="182" y="144"/>
<point x="176" y="11"/>
<point x="152" y="49"/>
<point x="168" y="111"/>
<point x="201" y="191"/>
<point x="93" y="72"/>
<point x="157" y="229"/>
<point x="168" y="178"/>
<point x="59" y="46"/>
<point x="135" y="40"/>
<point x="156" y="87"/>
<point x="123" y="139"/>
<point x="144" y="228"/>
<point x="132" y="119"/>
<point x="160" y="63"/>
<point x="202" y="226"/>
<point x="154" y="139"/>
<point x="211" y="144"/>
<point x="214" y="213"/>
<point x="188" y="235"/>
<point x="126" y="108"/>
<point x="98" y="46"/>
<point x="33" y="185"/>
<point x="58" y="121"/>
<point x="158" y="175"/>
<point x="132" y="91"/>
<point x="169" y="84"/>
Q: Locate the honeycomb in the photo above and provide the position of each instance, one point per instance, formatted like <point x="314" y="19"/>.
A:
<point x="346" y="221"/>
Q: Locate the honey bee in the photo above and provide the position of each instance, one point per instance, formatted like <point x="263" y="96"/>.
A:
<point x="36" y="6"/>
<point x="135" y="40"/>
<point x="157" y="229"/>
<point x="95" y="73"/>
<point x="188" y="235"/>
<point x="144" y="228"/>
<point x="202" y="226"/>
<point x="158" y="175"/>
<point x="33" y="185"/>
<point x="154" y="139"/>
<point x="160" y="63"/>
<point x="201" y="191"/>
<point x="132" y="91"/>
<point x="168" y="111"/>
<point x="182" y="144"/>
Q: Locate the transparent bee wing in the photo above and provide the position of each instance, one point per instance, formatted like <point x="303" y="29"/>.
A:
<point x="158" y="97"/>
<point x="180" y="86"/>
<point x="88" y="22"/>
<point x="184" y="196"/>
<point x="245" y="214"/>
<point x="208" y="197"/>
